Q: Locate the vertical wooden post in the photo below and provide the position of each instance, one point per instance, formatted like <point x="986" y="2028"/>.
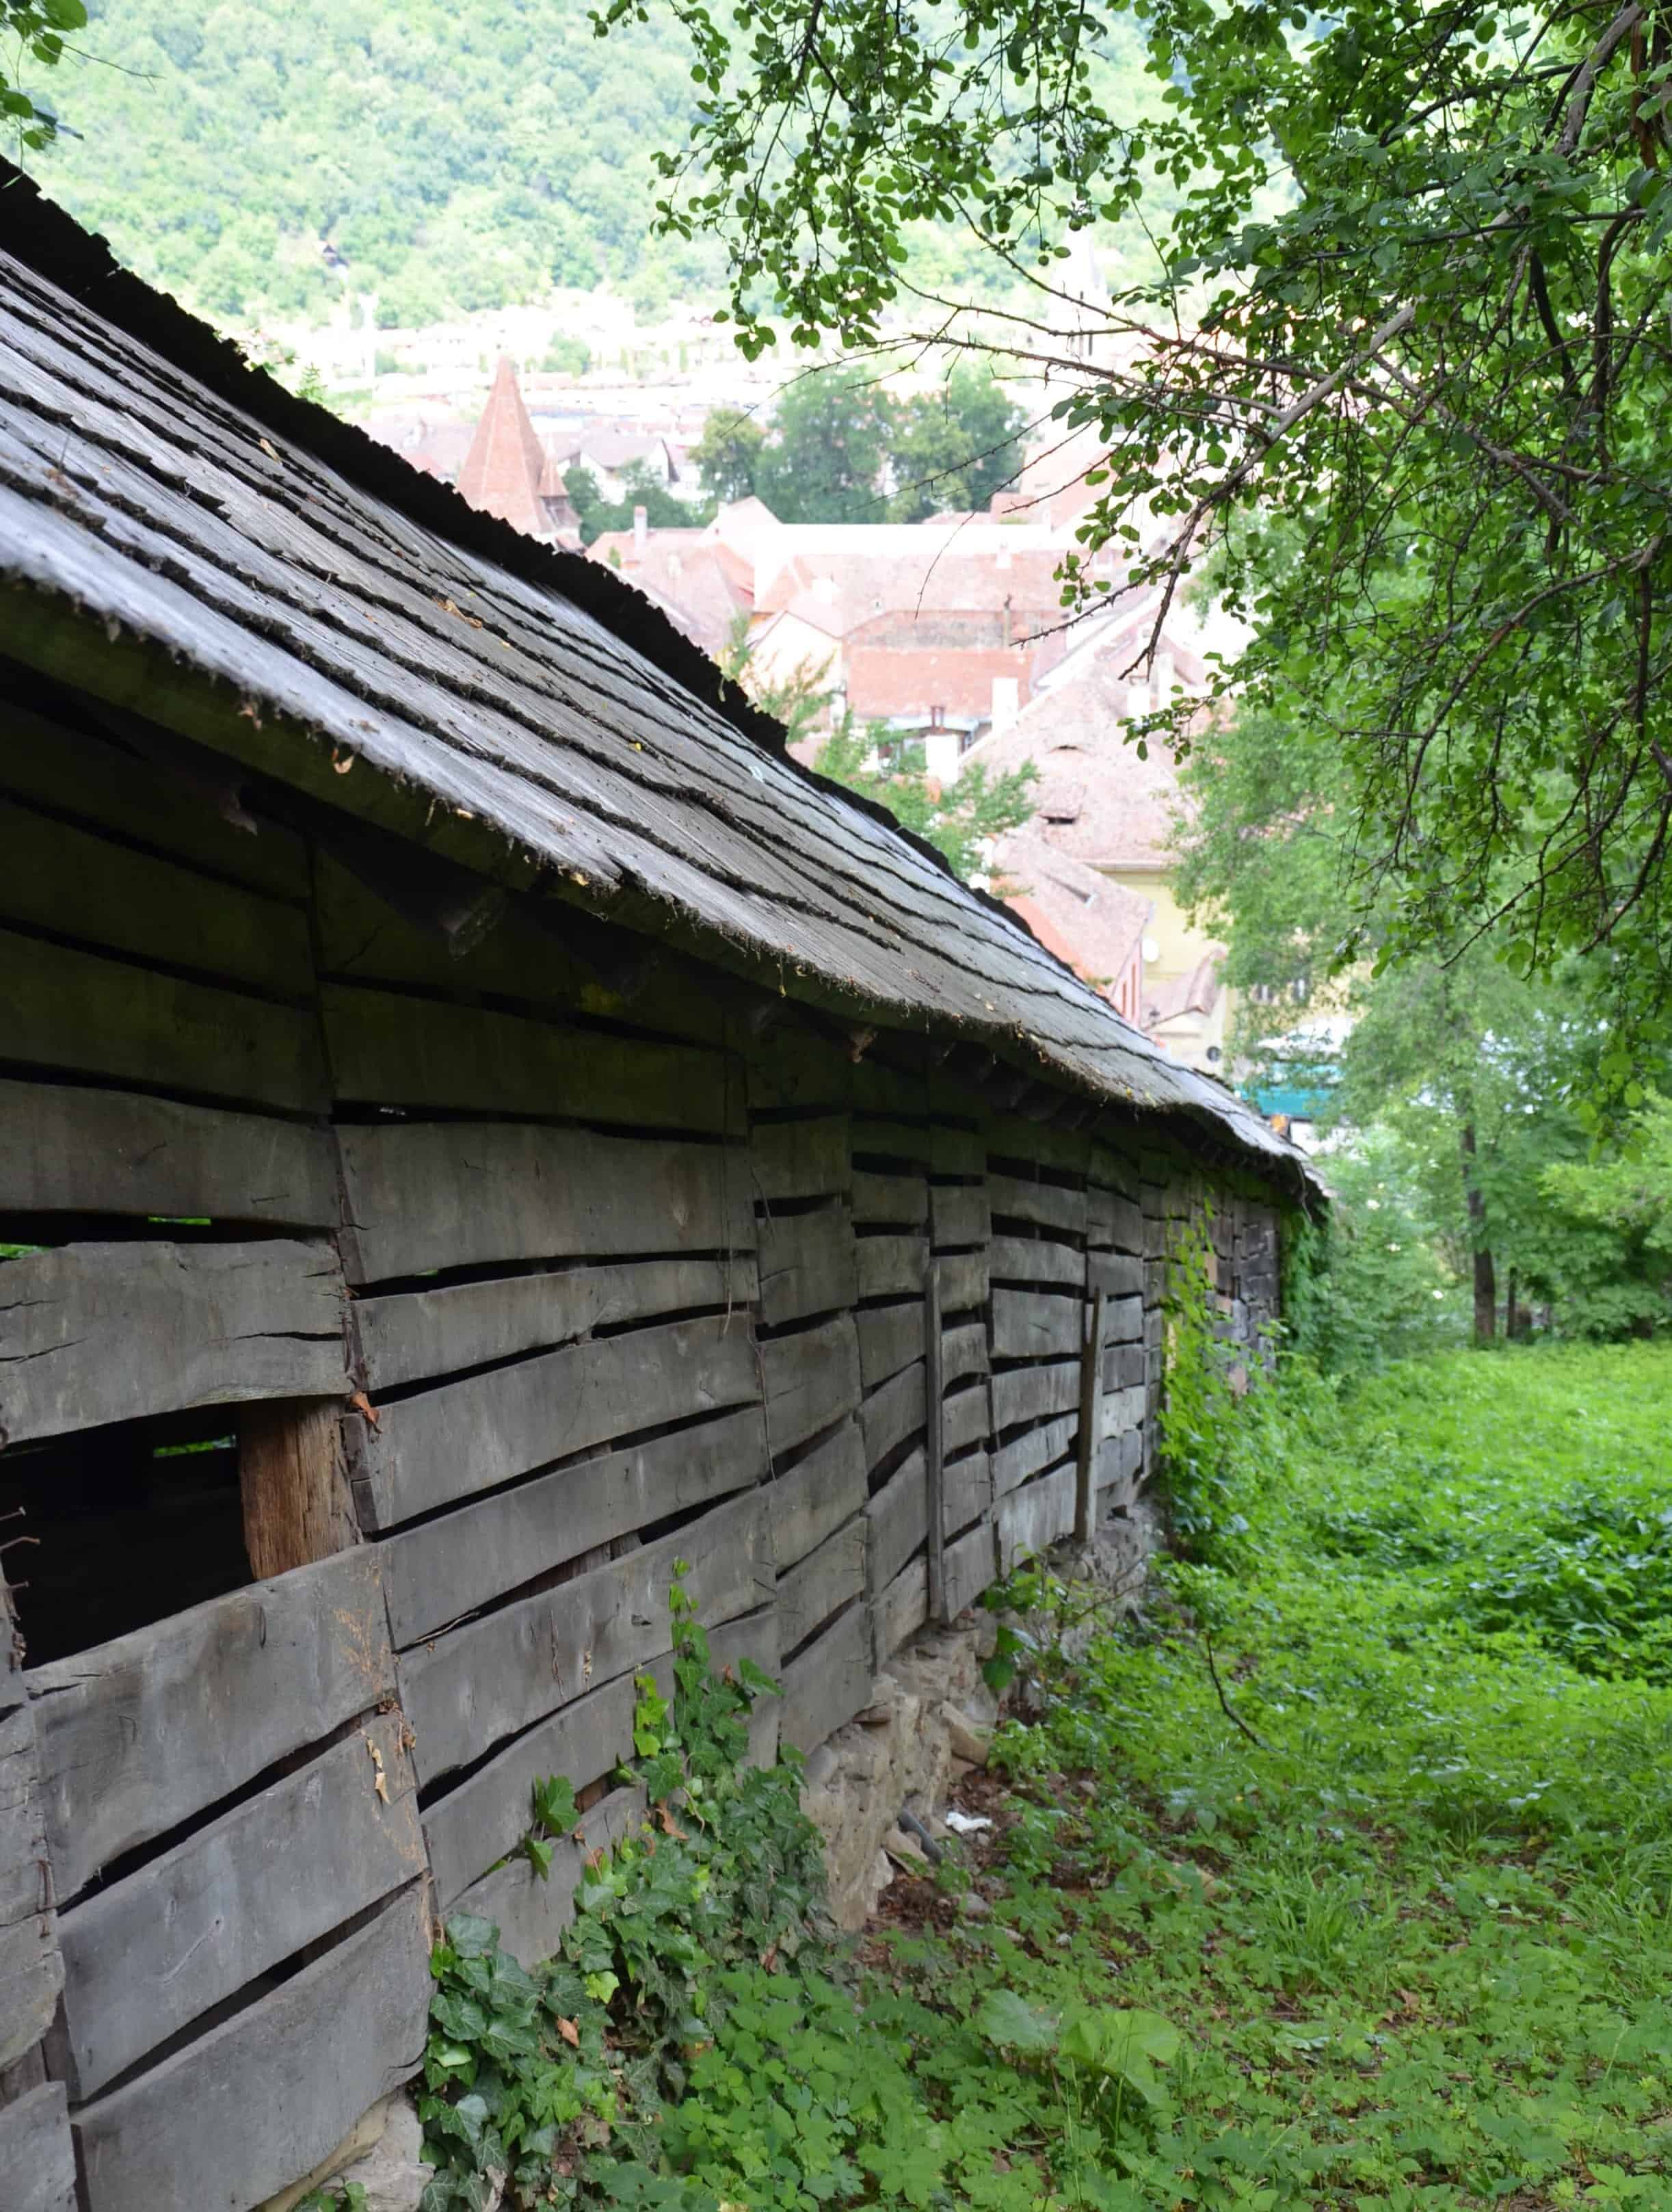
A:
<point x="294" y="1475"/>
<point x="1084" y="1473"/>
<point x="935" y="1471"/>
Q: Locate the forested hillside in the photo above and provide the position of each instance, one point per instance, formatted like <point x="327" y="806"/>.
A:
<point x="455" y="158"/>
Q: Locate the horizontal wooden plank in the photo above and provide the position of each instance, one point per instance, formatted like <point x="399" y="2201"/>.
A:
<point x="827" y="1682"/>
<point x="99" y="783"/>
<point x="96" y="1333"/>
<point x="31" y="1971"/>
<point x="472" y="1688"/>
<point x="448" y="1443"/>
<point x="963" y="1353"/>
<point x="807" y="1264"/>
<point x="789" y="1066"/>
<point x="145" y="1957"/>
<point x="448" y="1567"/>
<point x="898" y="1612"/>
<point x="884" y="1138"/>
<point x="954" y="1152"/>
<point x="1037" y="1325"/>
<point x="395" y="1049"/>
<point x="92" y="1016"/>
<point x="1122" y="1321"/>
<point x="37" y="2153"/>
<point x="1016" y="1141"/>
<point x="1120" y="1460"/>
<point x="890" y="1266"/>
<point x="1117" y="1274"/>
<point x="898" y="1519"/>
<point x="137" y="1735"/>
<point x="1033" y="1394"/>
<point x="66" y="1149"/>
<point x="234" y="2117"/>
<point x="967" y="1416"/>
<point x="1114" y="1223"/>
<point x="524" y="955"/>
<point x="1123" y="1366"/>
<point x="811" y="1380"/>
<point x="817" y="1495"/>
<point x="486" y="1815"/>
<point x="821" y="1583"/>
<point x="58" y="876"/>
<point x="901" y="1199"/>
<point x="1028" y="1521"/>
<point x="1111" y="1173"/>
<point x="806" y="1158"/>
<point x="411" y="1335"/>
<point x="890" y="1338"/>
<point x="966" y="1489"/>
<point x="1121" y="1409"/>
<point x="971" y="1566"/>
<point x="958" y="1214"/>
<point x="1030" y="1260"/>
<point x="1038" y="1447"/>
<point x="457" y="1194"/>
<point x="532" y="1912"/>
<point x="1045" y="1204"/>
<point x="963" y="1279"/>
<point x="892" y="1412"/>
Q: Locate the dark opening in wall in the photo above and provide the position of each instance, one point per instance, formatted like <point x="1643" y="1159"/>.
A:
<point x="121" y="1526"/>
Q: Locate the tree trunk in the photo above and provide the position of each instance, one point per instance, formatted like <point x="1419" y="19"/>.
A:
<point x="1510" y="1322"/>
<point x="1486" y="1275"/>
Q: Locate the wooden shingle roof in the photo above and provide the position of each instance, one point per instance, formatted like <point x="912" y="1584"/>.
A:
<point x="172" y="521"/>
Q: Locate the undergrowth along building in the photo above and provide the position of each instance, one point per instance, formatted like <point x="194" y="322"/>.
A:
<point x="477" y="1123"/>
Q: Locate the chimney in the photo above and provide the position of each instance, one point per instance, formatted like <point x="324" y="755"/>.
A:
<point x="640" y="532"/>
<point x="1006" y="690"/>
<point x="1004" y="560"/>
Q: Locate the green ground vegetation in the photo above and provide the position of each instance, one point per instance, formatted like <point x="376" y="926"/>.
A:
<point x="1377" y="1910"/>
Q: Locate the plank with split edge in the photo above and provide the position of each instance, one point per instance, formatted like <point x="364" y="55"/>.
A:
<point x="1029" y="1393"/>
<point x="149" y="1954"/>
<point x="894" y="1412"/>
<point x="53" y="876"/>
<point x="967" y="1416"/>
<point x="1028" y="1260"/>
<point x="137" y="1735"/>
<point x="532" y="1912"/>
<point x="98" y="783"/>
<point x="1044" y="1204"/>
<point x="821" y="1583"/>
<point x="963" y="1350"/>
<point x="471" y="1688"/>
<point x="97" y="1333"/>
<point x="817" y="1495"/>
<point x="457" y="1194"/>
<point x="807" y="1264"/>
<point x="811" y="1380"/>
<point x="1030" y="1520"/>
<point x="461" y="1437"/>
<point x="92" y="1016"/>
<point x="447" y="1568"/>
<point x="232" y="2117"/>
<point x="487" y="1814"/>
<point x="898" y="1518"/>
<point x="967" y="1491"/>
<point x="31" y="1971"/>
<point x="66" y="1149"/>
<point x="970" y="1566"/>
<point x="889" y="1267"/>
<point x="411" y="1335"/>
<point x="391" y="1048"/>
<point x="827" y="1682"/>
<point x="801" y="1159"/>
<point x="1015" y="1461"/>
<point x="36" y="2152"/>
<point x="900" y="1610"/>
<point x="1034" y="1325"/>
<point x="890" y="1338"/>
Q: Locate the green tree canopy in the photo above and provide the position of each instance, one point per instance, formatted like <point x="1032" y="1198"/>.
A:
<point x="1413" y="286"/>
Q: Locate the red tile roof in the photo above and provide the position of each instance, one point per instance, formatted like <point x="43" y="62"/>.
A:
<point x="1084" y="918"/>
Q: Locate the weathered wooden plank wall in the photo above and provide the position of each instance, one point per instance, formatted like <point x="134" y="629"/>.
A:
<point x="615" y="1277"/>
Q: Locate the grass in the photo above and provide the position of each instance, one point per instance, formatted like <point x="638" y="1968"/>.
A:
<point x="1418" y="1942"/>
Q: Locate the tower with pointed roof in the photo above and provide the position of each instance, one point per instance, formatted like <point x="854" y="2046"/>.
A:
<point x="508" y="471"/>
